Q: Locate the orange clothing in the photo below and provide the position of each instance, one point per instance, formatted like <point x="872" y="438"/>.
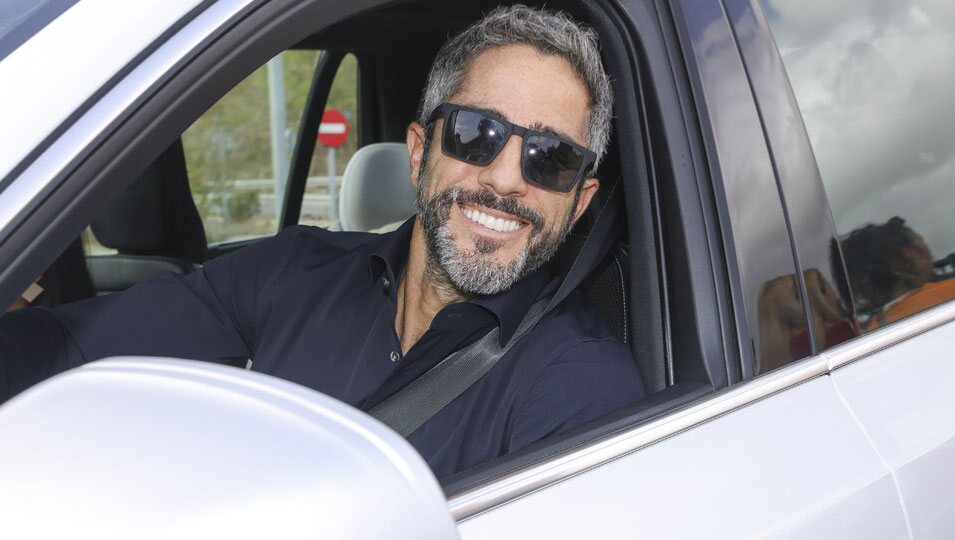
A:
<point x="928" y="295"/>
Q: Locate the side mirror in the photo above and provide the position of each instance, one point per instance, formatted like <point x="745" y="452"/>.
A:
<point x="159" y="448"/>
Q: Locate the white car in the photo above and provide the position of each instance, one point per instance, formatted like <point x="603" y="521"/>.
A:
<point x="784" y="277"/>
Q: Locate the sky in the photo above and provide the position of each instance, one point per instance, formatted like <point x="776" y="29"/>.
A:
<point x="875" y="80"/>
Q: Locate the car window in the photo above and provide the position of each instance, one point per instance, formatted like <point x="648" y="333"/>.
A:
<point x="238" y="152"/>
<point x="319" y="205"/>
<point x="874" y="82"/>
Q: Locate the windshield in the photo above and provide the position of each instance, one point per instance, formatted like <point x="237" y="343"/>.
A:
<point x="21" y="19"/>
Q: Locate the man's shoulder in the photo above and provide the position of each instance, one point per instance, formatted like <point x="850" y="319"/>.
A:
<point x="575" y="370"/>
<point x="573" y="338"/>
<point x="576" y="324"/>
<point x="309" y="242"/>
<point x="308" y="234"/>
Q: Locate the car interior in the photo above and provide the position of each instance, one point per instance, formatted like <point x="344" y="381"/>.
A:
<point x="642" y="288"/>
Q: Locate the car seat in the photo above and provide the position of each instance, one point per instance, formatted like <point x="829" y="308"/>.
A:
<point x="153" y="225"/>
<point x="376" y="193"/>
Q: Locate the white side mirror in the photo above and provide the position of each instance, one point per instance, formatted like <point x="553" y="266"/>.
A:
<point x="158" y="448"/>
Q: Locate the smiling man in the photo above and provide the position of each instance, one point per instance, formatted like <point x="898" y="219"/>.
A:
<point x="514" y="119"/>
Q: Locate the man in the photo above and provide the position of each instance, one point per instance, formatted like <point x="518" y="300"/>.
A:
<point x="359" y="316"/>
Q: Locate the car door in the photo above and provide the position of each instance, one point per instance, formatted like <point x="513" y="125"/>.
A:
<point x="777" y="455"/>
<point x="874" y="86"/>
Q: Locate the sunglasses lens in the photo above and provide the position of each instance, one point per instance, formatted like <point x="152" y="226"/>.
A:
<point x="551" y="163"/>
<point x="473" y="137"/>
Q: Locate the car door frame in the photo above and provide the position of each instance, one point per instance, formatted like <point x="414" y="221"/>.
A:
<point x="494" y="502"/>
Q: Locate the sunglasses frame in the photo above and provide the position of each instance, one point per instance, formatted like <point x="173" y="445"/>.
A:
<point x="446" y="109"/>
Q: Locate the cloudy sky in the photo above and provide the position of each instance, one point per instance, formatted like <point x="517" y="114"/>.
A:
<point x="875" y="80"/>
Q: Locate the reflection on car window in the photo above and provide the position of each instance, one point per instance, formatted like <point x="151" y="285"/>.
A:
<point x="874" y="82"/>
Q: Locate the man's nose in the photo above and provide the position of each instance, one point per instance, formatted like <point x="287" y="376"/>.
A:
<point x="504" y="175"/>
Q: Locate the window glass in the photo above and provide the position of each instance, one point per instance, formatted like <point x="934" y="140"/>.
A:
<point x="238" y="152"/>
<point x="874" y="80"/>
<point x="320" y="202"/>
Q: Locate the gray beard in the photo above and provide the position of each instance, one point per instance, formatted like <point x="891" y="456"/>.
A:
<point x="478" y="271"/>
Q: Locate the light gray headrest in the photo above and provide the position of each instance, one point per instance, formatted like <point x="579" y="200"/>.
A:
<point x="376" y="188"/>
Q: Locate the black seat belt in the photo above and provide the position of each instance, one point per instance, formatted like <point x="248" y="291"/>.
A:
<point x="407" y="409"/>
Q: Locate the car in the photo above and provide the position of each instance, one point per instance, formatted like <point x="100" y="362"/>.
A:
<point x="784" y="271"/>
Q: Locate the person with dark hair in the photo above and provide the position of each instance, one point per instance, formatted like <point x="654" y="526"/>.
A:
<point x="892" y="272"/>
<point x="514" y="120"/>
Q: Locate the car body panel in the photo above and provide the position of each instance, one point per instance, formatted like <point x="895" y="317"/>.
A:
<point x="795" y="464"/>
<point x="902" y="396"/>
<point x="27" y="186"/>
<point x="91" y="29"/>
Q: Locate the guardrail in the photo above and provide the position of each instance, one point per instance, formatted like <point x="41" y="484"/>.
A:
<point x="314" y="205"/>
<point x="268" y="183"/>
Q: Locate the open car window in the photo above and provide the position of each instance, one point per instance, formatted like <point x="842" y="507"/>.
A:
<point x="238" y="152"/>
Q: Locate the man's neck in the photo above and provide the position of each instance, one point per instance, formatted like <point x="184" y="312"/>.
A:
<point x="422" y="293"/>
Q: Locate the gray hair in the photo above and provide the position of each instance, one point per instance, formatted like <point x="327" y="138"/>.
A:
<point x="548" y="31"/>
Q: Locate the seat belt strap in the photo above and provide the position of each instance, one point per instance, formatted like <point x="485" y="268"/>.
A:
<point x="410" y="407"/>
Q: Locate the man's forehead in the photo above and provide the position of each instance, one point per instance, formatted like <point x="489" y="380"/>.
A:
<point x="537" y="125"/>
<point x="527" y="87"/>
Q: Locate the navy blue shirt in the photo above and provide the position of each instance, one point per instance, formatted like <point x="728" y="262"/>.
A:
<point x="318" y="308"/>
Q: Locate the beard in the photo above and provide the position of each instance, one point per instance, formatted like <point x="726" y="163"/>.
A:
<point x="480" y="270"/>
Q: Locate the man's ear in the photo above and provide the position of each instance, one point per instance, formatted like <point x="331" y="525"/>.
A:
<point x="415" y="139"/>
<point x="591" y="185"/>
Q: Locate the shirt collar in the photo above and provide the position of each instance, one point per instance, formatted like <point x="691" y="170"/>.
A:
<point x="508" y="307"/>
<point x="392" y="253"/>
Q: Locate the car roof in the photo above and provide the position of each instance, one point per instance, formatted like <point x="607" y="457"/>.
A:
<point x="65" y="63"/>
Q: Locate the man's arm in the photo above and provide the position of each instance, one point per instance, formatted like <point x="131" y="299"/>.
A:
<point x="207" y="315"/>
<point x="586" y="381"/>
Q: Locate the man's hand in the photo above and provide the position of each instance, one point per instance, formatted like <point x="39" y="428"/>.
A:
<point x="27" y="297"/>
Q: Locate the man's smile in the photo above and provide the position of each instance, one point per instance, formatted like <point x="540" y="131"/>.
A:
<point x="489" y="222"/>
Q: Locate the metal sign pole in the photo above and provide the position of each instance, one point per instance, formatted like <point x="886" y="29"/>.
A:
<point x="332" y="184"/>
<point x="280" y="155"/>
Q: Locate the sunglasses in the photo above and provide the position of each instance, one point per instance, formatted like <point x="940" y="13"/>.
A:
<point x="477" y="137"/>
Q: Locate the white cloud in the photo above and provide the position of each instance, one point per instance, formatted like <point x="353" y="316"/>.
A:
<point x="875" y="82"/>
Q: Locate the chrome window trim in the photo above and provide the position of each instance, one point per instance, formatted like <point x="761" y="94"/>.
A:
<point x="526" y="480"/>
<point x="889" y="335"/>
<point x="38" y="175"/>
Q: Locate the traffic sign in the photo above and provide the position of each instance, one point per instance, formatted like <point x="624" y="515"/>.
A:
<point x="333" y="130"/>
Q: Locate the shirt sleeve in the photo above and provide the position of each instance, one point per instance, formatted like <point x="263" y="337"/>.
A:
<point x="586" y="381"/>
<point x="206" y="315"/>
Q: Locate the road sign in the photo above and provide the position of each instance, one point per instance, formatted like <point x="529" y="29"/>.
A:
<point x="333" y="130"/>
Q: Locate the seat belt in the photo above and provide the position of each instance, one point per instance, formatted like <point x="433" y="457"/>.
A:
<point x="407" y="409"/>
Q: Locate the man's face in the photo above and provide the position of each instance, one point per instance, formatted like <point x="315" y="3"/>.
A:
<point x="461" y="206"/>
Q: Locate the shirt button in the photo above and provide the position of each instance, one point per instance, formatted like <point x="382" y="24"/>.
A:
<point x="395" y="356"/>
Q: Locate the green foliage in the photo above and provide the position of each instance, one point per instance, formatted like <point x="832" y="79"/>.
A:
<point x="231" y="141"/>
<point x="243" y="205"/>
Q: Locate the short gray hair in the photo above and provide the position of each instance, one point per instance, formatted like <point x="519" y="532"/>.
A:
<point x="550" y="32"/>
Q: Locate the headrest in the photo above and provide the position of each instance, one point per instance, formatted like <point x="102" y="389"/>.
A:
<point x="376" y="188"/>
<point x="155" y="214"/>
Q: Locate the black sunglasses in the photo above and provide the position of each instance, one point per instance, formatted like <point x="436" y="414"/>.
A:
<point x="477" y="137"/>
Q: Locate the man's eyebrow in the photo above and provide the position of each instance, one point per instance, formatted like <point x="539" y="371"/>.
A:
<point x="536" y="126"/>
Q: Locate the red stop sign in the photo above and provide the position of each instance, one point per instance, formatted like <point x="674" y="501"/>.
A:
<point x="333" y="130"/>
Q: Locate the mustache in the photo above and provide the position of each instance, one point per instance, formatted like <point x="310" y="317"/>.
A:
<point x="488" y="199"/>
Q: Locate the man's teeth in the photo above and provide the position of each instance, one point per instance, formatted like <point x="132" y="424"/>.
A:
<point x="497" y="224"/>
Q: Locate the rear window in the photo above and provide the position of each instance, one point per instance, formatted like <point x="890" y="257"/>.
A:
<point x="874" y="81"/>
<point x="21" y="19"/>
